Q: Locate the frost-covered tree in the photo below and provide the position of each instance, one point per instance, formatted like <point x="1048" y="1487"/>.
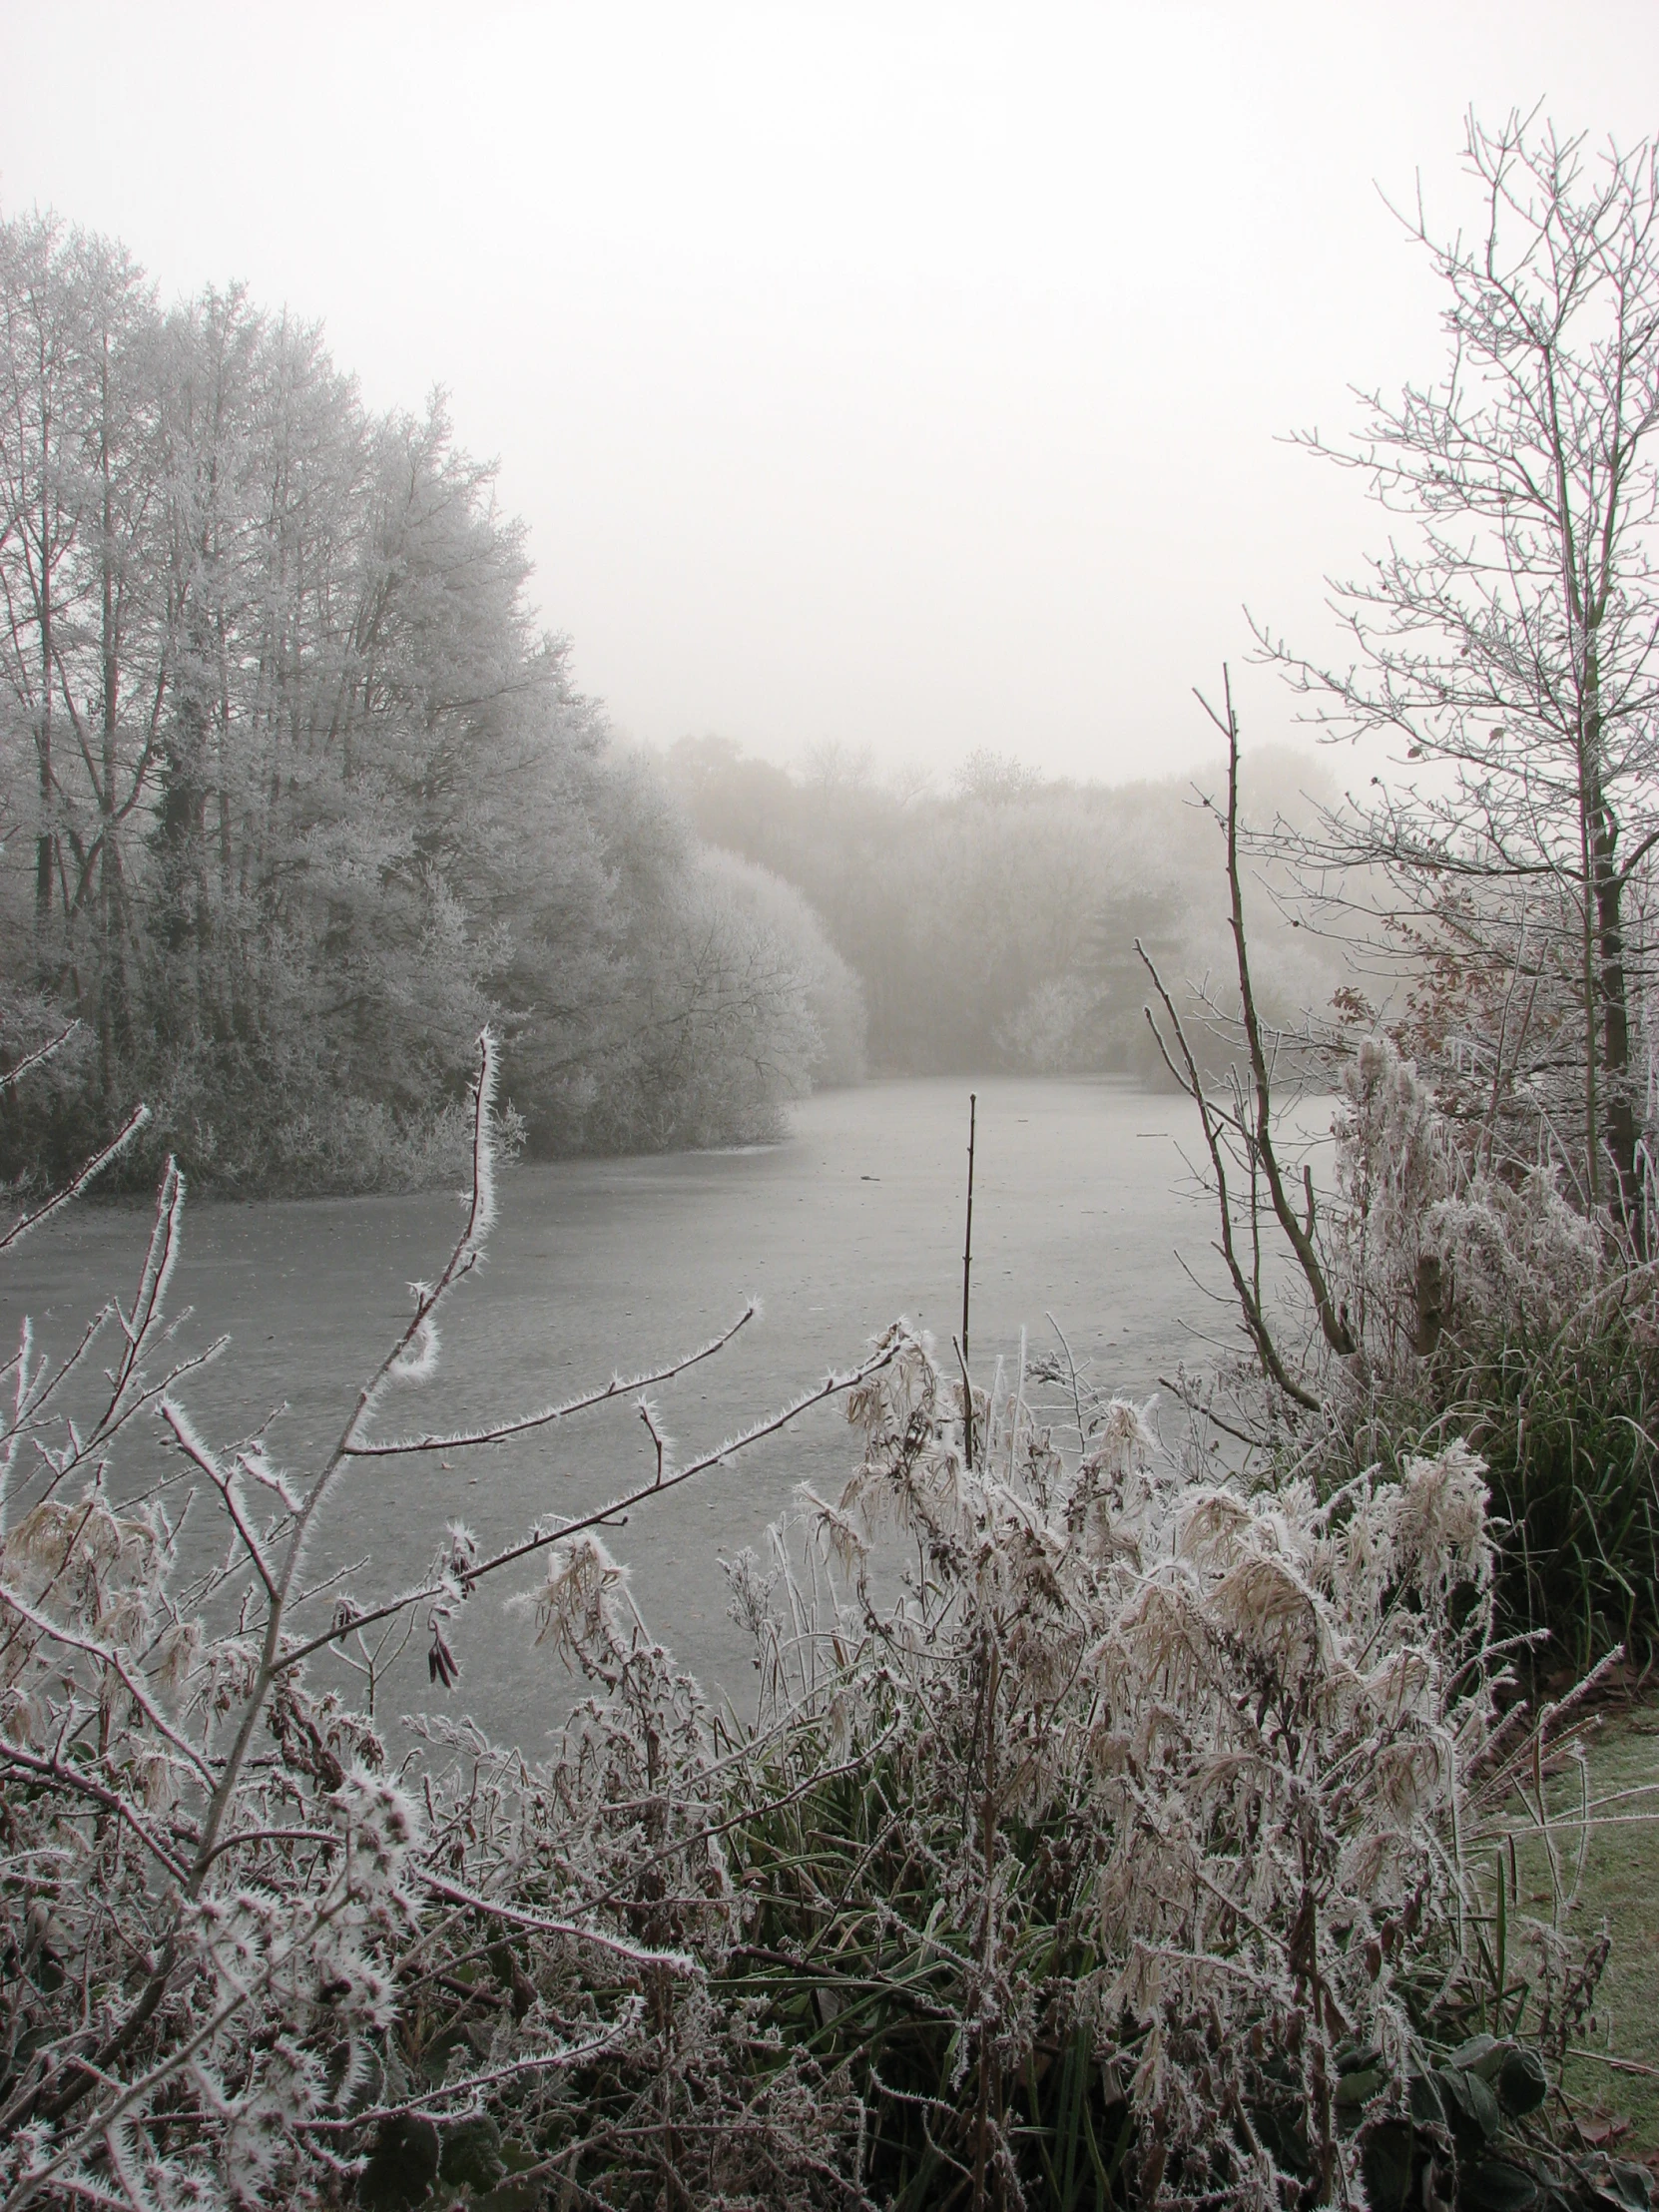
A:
<point x="1507" y="637"/>
<point x="298" y="792"/>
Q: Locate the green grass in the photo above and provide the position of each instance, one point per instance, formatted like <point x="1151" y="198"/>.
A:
<point x="1619" y="1885"/>
<point x="1568" y="1432"/>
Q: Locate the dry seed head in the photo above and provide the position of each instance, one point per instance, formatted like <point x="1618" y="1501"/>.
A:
<point x="1441" y="1529"/>
<point x="576" y="1607"/>
<point x="175" y="1651"/>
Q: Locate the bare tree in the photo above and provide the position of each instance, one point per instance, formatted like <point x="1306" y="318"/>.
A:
<point x="1238" y="1119"/>
<point x="1508" y="638"/>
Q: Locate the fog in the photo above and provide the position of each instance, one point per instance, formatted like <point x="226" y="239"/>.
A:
<point x="906" y="378"/>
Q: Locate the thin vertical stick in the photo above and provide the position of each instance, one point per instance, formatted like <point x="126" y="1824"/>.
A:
<point x="967" y="1272"/>
<point x="967" y="1400"/>
<point x="1019" y="1408"/>
<point x="968" y="1240"/>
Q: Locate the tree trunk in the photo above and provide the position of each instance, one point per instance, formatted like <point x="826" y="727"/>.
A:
<point x="114" y="1025"/>
<point x="45" y="843"/>
<point x="1618" y="1108"/>
<point x="45" y="847"/>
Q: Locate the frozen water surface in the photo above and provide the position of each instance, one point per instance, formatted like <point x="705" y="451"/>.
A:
<point x="1081" y="1198"/>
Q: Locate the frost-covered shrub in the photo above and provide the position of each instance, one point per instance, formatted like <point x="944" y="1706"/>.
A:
<point x="738" y="1005"/>
<point x="1060" y="1030"/>
<point x="1521" y="1262"/>
<point x="243" y="1957"/>
<point x="1511" y="1255"/>
<point x="1120" y="1851"/>
<point x="831" y="993"/>
<point x="1484" y="1305"/>
<point x="1161" y="1814"/>
<point x="1394" y="1162"/>
<point x="325" y="1141"/>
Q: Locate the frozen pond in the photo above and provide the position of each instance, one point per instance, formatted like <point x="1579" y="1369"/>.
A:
<point x="1081" y="1198"/>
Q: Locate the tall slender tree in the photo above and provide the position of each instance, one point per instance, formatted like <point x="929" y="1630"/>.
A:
<point x="1508" y="635"/>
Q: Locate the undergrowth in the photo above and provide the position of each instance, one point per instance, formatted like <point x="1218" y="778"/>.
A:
<point x="1105" y="1832"/>
<point x="1485" y="1307"/>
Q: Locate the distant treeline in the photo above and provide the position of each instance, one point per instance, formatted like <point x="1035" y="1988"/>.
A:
<point x="295" y="795"/>
<point x="996" y="927"/>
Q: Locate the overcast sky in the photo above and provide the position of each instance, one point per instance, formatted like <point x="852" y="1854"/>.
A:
<point x="907" y="376"/>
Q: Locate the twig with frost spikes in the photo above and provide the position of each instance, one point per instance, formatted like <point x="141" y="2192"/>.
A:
<point x="197" y="1452"/>
<point x="1186" y="1394"/>
<point x="93" y="1167"/>
<point x="119" y="1417"/>
<point x="108" y="1656"/>
<point x="37" y="1384"/>
<point x="73" y="1189"/>
<point x="469" y="2085"/>
<point x="647" y="1414"/>
<point x="461" y="1261"/>
<point x="499" y="1432"/>
<point x="93" y="2072"/>
<point x="160" y="1257"/>
<point x="38" y="1058"/>
<point x="82" y="1784"/>
<point x="831" y="1387"/>
<point x="129" y="1395"/>
<point x="638" y="1954"/>
<point x="1071" y="1371"/>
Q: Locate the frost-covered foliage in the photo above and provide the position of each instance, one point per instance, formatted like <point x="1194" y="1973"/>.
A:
<point x="245" y="1957"/>
<point x="296" y="793"/>
<point x="1161" y="1818"/>
<point x="995" y="925"/>
<point x="1056" y="1032"/>
<point x="1101" y="1835"/>
<point x="1518" y="1256"/>
<point x="1479" y="1302"/>
<point x="834" y="1051"/>
<point x="1511" y="1255"/>
<point x="739" y="1004"/>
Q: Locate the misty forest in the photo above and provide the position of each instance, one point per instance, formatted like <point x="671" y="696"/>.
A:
<point x="1234" y="1799"/>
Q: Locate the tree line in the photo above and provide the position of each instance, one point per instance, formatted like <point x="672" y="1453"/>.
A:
<point x="296" y="794"/>
<point x="995" y="925"/>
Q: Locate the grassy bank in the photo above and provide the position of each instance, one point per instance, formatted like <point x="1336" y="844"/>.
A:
<point x="1607" y="1860"/>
